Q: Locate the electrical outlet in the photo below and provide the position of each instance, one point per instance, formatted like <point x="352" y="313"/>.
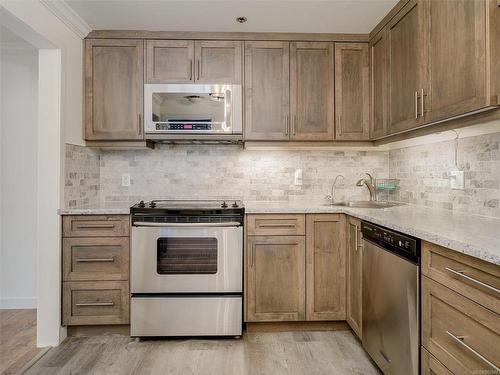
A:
<point x="298" y="177"/>
<point x="457" y="180"/>
<point x="125" y="179"/>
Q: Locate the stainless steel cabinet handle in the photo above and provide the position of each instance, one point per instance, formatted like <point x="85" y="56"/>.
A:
<point x="460" y="340"/>
<point x="251" y="257"/>
<point x="422" y="103"/>
<point x="95" y="226"/>
<point x="359" y="240"/>
<point x="198" y="73"/>
<point x="190" y="70"/>
<point x="277" y="225"/>
<point x="286" y="125"/>
<point x="463" y="275"/>
<point x="185" y="225"/>
<point x="95" y="304"/>
<point x="416" y="105"/>
<point x="356" y="236"/>
<point x="293" y="124"/>
<point x="139" y="123"/>
<point x="83" y="260"/>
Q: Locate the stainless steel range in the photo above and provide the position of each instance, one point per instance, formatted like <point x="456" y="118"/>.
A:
<point x="187" y="268"/>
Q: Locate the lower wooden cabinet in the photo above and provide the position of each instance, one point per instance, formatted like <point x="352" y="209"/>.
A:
<point x="96" y="302"/>
<point x="275" y="278"/>
<point x="430" y="365"/>
<point x="295" y="277"/>
<point x="354" y="275"/>
<point x="325" y="267"/>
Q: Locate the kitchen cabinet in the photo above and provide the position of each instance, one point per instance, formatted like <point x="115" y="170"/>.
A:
<point x="352" y="91"/>
<point x="267" y="90"/>
<point x="354" y="275"/>
<point x="95" y="270"/>
<point x="275" y="278"/>
<point x="407" y="67"/>
<point x="431" y="366"/>
<point x="188" y="61"/>
<point x="312" y="91"/>
<point x="325" y="267"/>
<point x="113" y="89"/>
<point x="378" y="76"/>
<point x="459" y="69"/>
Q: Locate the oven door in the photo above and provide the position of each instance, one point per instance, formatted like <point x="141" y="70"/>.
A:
<point x="186" y="258"/>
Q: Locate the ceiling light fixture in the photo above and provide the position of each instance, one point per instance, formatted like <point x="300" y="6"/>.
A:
<point x="241" y="19"/>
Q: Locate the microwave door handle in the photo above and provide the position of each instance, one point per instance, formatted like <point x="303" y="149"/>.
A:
<point x="186" y="225"/>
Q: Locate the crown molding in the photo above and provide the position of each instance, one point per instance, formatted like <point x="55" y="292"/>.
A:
<point x="68" y="16"/>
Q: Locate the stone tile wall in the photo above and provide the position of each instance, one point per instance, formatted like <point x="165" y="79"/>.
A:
<point x="424" y="174"/>
<point x="81" y="177"/>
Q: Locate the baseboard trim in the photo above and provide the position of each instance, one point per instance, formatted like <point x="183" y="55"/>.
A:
<point x="18" y="303"/>
<point x="296" y="326"/>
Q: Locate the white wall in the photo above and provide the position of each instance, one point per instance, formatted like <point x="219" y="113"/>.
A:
<point x="18" y="158"/>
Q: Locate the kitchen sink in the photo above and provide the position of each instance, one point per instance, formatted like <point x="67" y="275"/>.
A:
<point x="366" y="204"/>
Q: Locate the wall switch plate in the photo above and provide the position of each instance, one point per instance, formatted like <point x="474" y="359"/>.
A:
<point x="298" y="177"/>
<point x="125" y="179"/>
<point x="457" y="180"/>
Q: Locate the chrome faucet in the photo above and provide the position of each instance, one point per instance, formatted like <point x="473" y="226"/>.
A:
<point x="370" y="185"/>
<point x="331" y="197"/>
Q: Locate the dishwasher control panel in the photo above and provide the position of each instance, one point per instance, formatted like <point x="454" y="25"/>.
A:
<point x="396" y="242"/>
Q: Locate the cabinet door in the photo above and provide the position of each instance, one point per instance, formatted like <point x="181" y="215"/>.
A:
<point x="275" y="278"/>
<point x="378" y="57"/>
<point x="267" y="86"/>
<point x="312" y="91"/>
<point x="407" y="67"/>
<point x="325" y="267"/>
<point x="457" y="46"/>
<point x="218" y="61"/>
<point x="354" y="275"/>
<point x="113" y="89"/>
<point x="170" y="61"/>
<point x="352" y="91"/>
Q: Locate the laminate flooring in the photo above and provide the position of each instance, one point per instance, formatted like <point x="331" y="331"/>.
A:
<point x="17" y="339"/>
<point x="276" y="353"/>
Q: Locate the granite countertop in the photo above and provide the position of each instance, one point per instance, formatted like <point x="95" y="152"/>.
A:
<point x="473" y="235"/>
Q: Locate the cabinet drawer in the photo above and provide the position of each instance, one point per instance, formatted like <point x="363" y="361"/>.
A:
<point x="473" y="278"/>
<point x="276" y="225"/>
<point x="96" y="226"/>
<point x="431" y="366"/>
<point x="461" y="334"/>
<point x="95" y="258"/>
<point x="91" y="303"/>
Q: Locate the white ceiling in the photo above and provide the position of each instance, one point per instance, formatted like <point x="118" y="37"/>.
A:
<point x="312" y="16"/>
<point x="10" y="40"/>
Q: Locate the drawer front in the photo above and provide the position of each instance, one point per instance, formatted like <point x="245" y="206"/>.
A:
<point x="431" y="366"/>
<point x="92" y="303"/>
<point x="96" y="226"/>
<point x="95" y="258"/>
<point x="473" y="278"/>
<point x="276" y="225"/>
<point x="461" y="334"/>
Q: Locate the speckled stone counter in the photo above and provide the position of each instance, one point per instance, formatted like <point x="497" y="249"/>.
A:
<point x="473" y="235"/>
<point x="94" y="211"/>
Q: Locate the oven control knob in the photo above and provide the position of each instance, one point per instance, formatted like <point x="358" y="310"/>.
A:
<point x="235" y="204"/>
<point x="224" y="204"/>
<point x="152" y="205"/>
<point x="142" y="204"/>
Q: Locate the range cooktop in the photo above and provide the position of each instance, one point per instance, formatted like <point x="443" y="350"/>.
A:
<point x="189" y="204"/>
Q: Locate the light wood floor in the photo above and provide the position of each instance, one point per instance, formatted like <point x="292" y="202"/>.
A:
<point x="17" y="339"/>
<point x="290" y="353"/>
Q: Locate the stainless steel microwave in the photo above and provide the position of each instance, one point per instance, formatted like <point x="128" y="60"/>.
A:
<point x="192" y="109"/>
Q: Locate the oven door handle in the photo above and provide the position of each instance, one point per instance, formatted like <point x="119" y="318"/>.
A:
<point x="186" y="225"/>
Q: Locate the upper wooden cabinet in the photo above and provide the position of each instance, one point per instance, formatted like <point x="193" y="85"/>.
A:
<point x="325" y="267"/>
<point x="312" y="91"/>
<point x="378" y="76"/>
<point x="113" y="89"/>
<point x="188" y="61"/>
<point x="459" y="57"/>
<point x="267" y="82"/>
<point x="407" y="67"/>
<point x="352" y="91"/>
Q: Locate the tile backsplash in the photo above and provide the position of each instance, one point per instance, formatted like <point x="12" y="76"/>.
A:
<point x="196" y="171"/>
<point x="81" y="177"/>
<point x="94" y="178"/>
<point x="424" y="174"/>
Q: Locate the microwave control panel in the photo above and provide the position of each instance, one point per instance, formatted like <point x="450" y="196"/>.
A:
<point x="182" y="126"/>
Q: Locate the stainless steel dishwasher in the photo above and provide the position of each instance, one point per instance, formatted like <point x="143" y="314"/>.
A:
<point x="391" y="302"/>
